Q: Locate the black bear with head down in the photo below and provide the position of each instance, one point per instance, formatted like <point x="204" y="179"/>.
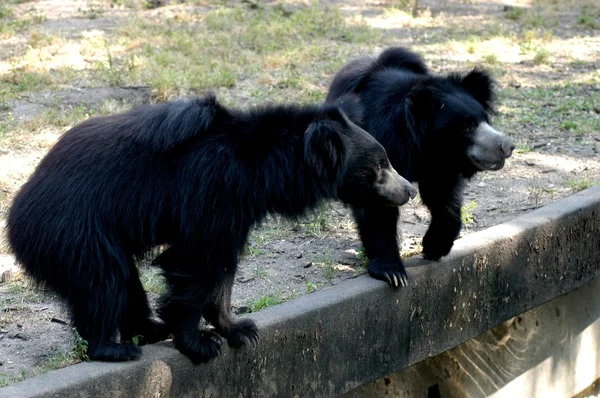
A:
<point x="436" y="131"/>
<point x="193" y="175"/>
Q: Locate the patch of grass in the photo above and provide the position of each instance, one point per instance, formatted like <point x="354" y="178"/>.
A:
<point x="364" y="260"/>
<point x="514" y="13"/>
<point x="11" y="23"/>
<point x="319" y="224"/>
<point x="260" y="272"/>
<point x="491" y="59"/>
<point x="112" y="72"/>
<point x="23" y="289"/>
<point x="92" y="11"/>
<point x="41" y="131"/>
<point x="530" y="40"/>
<point x="77" y="353"/>
<point x="523" y="148"/>
<point x="80" y="346"/>
<point x="542" y="56"/>
<point x="266" y="301"/>
<point x="327" y="265"/>
<point x="568" y="125"/>
<point x="251" y="250"/>
<point x="404" y="5"/>
<point x="152" y="280"/>
<point x="466" y="213"/>
<point x="578" y="184"/>
<point x="537" y="18"/>
<point x="547" y="107"/>
<point x="538" y="192"/>
<point x="589" y="19"/>
<point x="311" y="286"/>
<point x="274" y="228"/>
<point x="180" y="57"/>
<point x="21" y="80"/>
<point x="329" y="271"/>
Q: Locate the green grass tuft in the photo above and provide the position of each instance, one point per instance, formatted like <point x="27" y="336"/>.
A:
<point x="466" y="213"/>
<point x="514" y="13"/>
<point x="266" y="301"/>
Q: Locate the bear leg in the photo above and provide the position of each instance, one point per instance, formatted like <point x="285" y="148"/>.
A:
<point x="190" y="288"/>
<point x="96" y="310"/>
<point x="378" y="229"/>
<point x="138" y="322"/>
<point x="444" y="201"/>
<point x="218" y="313"/>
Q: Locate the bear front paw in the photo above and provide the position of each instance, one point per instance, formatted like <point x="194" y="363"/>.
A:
<point x="199" y="346"/>
<point x="243" y="332"/>
<point x="436" y="245"/>
<point x="391" y="272"/>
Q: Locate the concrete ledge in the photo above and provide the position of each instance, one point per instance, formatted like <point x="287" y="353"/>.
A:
<point x="334" y="340"/>
<point x="551" y="351"/>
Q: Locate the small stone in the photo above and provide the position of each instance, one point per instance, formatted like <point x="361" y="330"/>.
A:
<point x="482" y="184"/>
<point x="299" y="255"/>
<point x="20" y="336"/>
<point x="597" y="138"/>
<point x="7" y="276"/>
<point x="539" y="145"/>
<point x="242" y="310"/>
<point x="529" y="163"/>
<point x="308" y="265"/>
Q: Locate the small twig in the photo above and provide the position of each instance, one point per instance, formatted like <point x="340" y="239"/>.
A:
<point x="56" y="320"/>
<point x="539" y="145"/>
<point x="530" y="208"/>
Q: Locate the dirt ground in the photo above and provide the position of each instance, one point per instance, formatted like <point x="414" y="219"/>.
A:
<point x="548" y="75"/>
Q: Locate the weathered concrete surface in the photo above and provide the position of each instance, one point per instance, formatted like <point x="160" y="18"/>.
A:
<point x="550" y="351"/>
<point x="337" y="339"/>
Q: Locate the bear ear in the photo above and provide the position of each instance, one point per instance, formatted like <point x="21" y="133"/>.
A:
<point x="351" y="106"/>
<point x="480" y="85"/>
<point x="324" y="149"/>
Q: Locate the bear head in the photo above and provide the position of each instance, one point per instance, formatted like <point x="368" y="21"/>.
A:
<point x="449" y="118"/>
<point x="339" y="151"/>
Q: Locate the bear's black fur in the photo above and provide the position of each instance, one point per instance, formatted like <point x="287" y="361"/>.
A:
<point x="193" y="175"/>
<point x="436" y="132"/>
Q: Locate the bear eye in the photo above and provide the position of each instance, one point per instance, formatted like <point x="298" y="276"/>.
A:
<point x="468" y="126"/>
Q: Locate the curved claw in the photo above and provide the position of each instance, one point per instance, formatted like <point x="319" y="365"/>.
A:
<point x="404" y="280"/>
<point x="395" y="280"/>
<point x="387" y="276"/>
<point x="246" y="340"/>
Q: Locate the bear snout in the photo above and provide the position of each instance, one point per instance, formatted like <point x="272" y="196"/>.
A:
<point x="412" y="192"/>
<point x="397" y="189"/>
<point x="507" y="148"/>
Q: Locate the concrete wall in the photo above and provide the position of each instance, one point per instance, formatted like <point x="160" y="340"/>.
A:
<point x="550" y="351"/>
<point x="335" y="340"/>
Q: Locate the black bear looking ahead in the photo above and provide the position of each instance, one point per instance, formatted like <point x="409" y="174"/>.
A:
<point x="196" y="176"/>
<point x="436" y="131"/>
